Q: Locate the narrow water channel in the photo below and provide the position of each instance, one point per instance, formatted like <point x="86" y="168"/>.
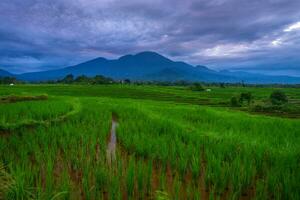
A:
<point x="112" y="141"/>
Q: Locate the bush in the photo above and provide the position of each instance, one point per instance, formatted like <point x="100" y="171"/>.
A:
<point x="98" y="79"/>
<point x="278" y="97"/>
<point x="269" y="108"/>
<point x="196" y="87"/>
<point x="68" y="79"/>
<point x="234" y="102"/>
<point x="246" y="96"/>
<point x="258" y="108"/>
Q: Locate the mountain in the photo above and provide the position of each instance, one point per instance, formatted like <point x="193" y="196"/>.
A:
<point x="142" y="66"/>
<point x="147" y="65"/>
<point x="4" y="73"/>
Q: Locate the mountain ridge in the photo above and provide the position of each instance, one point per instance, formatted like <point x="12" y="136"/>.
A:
<point x="147" y="66"/>
<point x="4" y="73"/>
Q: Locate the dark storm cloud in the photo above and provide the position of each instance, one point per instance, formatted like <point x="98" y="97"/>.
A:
<point x="45" y="34"/>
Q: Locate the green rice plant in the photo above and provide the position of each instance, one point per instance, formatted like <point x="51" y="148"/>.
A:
<point x="148" y="176"/>
<point x="64" y="187"/>
<point x="242" y="175"/>
<point x="211" y="195"/>
<point x="86" y="185"/>
<point x="114" y="189"/>
<point x="197" y="194"/>
<point x="60" y="195"/>
<point x="182" y="164"/>
<point x="161" y="195"/>
<point x="177" y="188"/>
<point x="162" y="181"/>
<point x="101" y="178"/>
<point x="6" y="182"/>
<point x="238" y="151"/>
<point x="141" y="175"/>
<point x="189" y="191"/>
<point x="20" y="189"/>
<point x="196" y="166"/>
<point x="130" y="177"/>
<point x="261" y="190"/>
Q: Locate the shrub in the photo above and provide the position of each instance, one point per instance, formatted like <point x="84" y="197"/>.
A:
<point x="258" y="108"/>
<point x="246" y="96"/>
<point x="196" y="87"/>
<point x="234" y="102"/>
<point x="127" y="81"/>
<point x="278" y="97"/>
<point x="68" y="79"/>
<point x="82" y="79"/>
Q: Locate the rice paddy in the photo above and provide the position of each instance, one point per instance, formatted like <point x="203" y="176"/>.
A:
<point x="144" y="142"/>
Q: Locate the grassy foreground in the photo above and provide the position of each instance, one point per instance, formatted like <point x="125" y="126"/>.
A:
<point x="172" y="143"/>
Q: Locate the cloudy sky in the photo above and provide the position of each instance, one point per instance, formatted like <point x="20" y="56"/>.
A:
<point x="256" y="35"/>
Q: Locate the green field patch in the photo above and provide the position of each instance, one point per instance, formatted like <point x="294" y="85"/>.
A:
<point x="31" y="113"/>
<point x="226" y="143"/>
<point x="166" y="146"/>
<point x="217" y="97"/>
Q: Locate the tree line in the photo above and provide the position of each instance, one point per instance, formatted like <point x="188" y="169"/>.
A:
<point x="99" y="79"/>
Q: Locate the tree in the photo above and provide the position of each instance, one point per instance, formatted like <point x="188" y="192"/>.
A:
<point x="246" y="96"/>
<point x="181" y="83"/>
<point x="127" y="81"/>
<point x="197" y="87"/>
<point x="222" y="85"/>
<point x="234" y="102"/>
<point x="8" y="80"/>
<point x="243" y="84"/>
<point x="278" y="97"/>
<point x="99" y="79"/>
<point x="68" y="79"/>
<point x="82" y="79"/>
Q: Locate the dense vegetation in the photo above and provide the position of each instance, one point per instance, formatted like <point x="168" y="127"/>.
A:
<point x="172" y="143"/>
<point x="8" y="80"/>
<point x="69" y="79"/>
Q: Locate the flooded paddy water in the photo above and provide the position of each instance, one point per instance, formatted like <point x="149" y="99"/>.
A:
<point x="112" y="141"/>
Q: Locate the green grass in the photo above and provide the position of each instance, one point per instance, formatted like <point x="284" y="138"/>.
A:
<point x="170" y="145"/>
<point x="24" y="113"/>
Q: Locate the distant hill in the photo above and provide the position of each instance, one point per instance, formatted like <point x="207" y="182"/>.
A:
<point x="4" y="73"/>
<point x="152" y="66"/>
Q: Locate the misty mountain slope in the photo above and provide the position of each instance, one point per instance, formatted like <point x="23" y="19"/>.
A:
<point x="260" y="78"/>
<point x="4" y="73"/>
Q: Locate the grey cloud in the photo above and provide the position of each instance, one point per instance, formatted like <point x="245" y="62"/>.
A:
<point x="58" y="33"/>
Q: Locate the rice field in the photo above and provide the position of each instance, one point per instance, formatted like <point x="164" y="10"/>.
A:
<point x="170" y="143"/>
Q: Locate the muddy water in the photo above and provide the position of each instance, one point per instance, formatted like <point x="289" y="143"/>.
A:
<point x="112" y="141"/>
